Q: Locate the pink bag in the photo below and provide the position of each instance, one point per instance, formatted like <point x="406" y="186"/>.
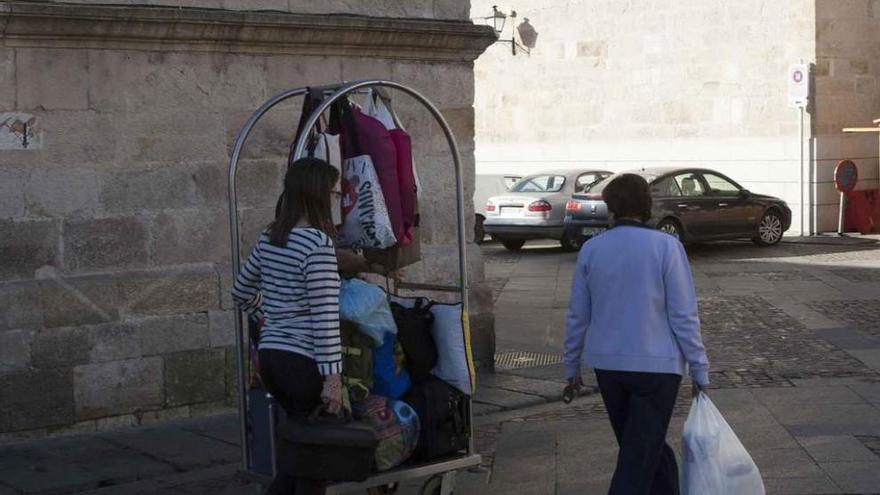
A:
<point x="376" y="141"/>
<point x="407" y="182"/>
<point x="377" y="107"/>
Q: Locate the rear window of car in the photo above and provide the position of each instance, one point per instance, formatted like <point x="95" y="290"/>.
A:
<point x="600" y="186"/>
<point x="540" y="183"/>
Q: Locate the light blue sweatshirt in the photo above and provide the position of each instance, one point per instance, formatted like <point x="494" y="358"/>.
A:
<point x="633" y="302"/>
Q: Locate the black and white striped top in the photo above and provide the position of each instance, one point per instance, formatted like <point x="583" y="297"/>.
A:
<point x="296" y="290"/>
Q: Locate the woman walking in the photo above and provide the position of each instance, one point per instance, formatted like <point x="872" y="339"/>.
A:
<point x="633" y="318"/>
<point x="291" y="281"/>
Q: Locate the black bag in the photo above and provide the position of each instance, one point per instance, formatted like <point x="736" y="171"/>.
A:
<point x="327" y="448"/>
<point x="414" y="335"/>
<point x="443" y="413"/>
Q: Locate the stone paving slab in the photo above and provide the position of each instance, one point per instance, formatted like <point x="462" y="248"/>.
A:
<point x="836" y="448"/>
<point x="183" y="449"/>
<point x="77" y="462"/>
<point x="831" y="419"/>
<point x="855" y="477"/>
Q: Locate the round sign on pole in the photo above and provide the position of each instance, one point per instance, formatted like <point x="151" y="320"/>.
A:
<point x="846" y="176"/>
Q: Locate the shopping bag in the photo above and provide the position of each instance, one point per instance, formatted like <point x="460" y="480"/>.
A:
<point x="323" y="143"/>
<point x="714" y="461"/>
<point x="365" y="221"/>
<point x="379" y="108"/>
<point x="366" y="305"/>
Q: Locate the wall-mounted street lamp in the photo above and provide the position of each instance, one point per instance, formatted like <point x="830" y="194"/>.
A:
<point x="526" y="33"/>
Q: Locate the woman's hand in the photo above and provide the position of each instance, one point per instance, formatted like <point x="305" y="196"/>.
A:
<point x="696" y="389"/>
<point x="332" y="394"/>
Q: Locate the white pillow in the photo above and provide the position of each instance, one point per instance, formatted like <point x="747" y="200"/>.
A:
<point x="451" y="332"/>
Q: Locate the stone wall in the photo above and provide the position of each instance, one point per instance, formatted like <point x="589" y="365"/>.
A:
<point x="847" y="76"/>
<point x="425" y="9"/>
<point x="623" y="84"/>
<point x="114" y="240"/>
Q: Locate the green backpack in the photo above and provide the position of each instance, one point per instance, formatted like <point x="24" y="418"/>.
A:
<point x="357" y="360"/>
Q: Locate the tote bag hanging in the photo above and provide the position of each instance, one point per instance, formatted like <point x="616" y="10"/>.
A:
<point x="378" y="107"/>
<point x="375" y="141"/>
<point x="366" y="222"/>
<point x="324" y="144"/>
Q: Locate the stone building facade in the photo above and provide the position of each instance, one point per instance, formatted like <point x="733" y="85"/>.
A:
<point x="114" y="240"/>
<point x="621" y="84"/>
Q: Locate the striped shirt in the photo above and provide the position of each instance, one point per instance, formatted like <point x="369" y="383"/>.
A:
<point x="296" y="290"/>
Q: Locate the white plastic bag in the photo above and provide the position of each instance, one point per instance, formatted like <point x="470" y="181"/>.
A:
<point x="366" y="223"/>
<point x="714" y="461"/>
<point x="375" y="107"/>
<point x="326" y="147"/>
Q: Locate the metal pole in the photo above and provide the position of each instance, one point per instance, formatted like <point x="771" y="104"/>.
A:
<point x="840" y="213"/>
<point x="299" y="149"/>
<point x="272" y="446"/>
<point x="803" y="208"/>
<point x="241" y="354"/>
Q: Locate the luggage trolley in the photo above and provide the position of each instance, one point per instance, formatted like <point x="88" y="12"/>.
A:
<point x="441" y="472"/>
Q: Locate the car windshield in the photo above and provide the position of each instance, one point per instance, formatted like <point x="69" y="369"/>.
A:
<point x="602" y="184"/>
<point x="540" y="183"/>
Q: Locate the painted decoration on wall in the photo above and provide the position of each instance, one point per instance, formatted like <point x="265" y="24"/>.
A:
<point x="20" y="131"/>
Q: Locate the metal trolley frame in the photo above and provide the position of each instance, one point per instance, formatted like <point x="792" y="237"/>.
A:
<point x="442" y="472"/>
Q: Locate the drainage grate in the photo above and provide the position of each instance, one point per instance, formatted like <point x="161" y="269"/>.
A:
<point x="523" y="359"/>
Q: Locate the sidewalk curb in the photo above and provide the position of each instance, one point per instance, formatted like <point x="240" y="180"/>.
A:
<point x="523" y="412"/>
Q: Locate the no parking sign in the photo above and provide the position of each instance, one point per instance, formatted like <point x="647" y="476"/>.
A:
<point x="846" y="176"/>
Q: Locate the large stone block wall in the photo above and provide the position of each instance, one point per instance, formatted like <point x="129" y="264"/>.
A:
<point x="115" y="265"/>
<point x="624" y="84"/>
<point x="847" y="77"/>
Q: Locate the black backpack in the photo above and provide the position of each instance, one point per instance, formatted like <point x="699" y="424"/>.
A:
<point x="414" y="335"/>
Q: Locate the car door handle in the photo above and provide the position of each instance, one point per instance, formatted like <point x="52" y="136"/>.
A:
<point x="722" y="204"/>
<point x="688" y="207"/>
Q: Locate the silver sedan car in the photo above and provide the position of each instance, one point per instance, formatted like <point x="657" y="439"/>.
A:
<point x="534" y="207"/>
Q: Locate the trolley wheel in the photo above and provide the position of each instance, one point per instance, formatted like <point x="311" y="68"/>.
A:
<point x="439" y="484"/>
<point x="432" y="486"/>
<point x="389" y="489"/>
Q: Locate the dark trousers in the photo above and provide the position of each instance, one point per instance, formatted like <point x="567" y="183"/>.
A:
<point x="296" y="384"/>
<point x="640" y="407"/>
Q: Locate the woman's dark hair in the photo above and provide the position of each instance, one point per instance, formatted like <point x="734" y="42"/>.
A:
<point x="307" y="188"/>
<point x="628" y="196"/>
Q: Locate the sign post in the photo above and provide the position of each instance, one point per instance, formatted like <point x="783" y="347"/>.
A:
<point x="798" y="97"/>
<point x="846" y="176"/>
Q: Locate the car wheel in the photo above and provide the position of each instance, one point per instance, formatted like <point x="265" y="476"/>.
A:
<point x="671" y="227"/>
<point x="769" y="229"/>
<point x="513" y="244"/>
<point x="571" y="242"/>
<point x="479" y="230"/>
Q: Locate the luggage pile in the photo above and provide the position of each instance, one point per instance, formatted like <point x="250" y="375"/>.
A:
<point x="411" y="384"/>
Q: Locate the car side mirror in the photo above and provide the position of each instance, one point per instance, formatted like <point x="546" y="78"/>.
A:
<point x="744" y="193"/>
